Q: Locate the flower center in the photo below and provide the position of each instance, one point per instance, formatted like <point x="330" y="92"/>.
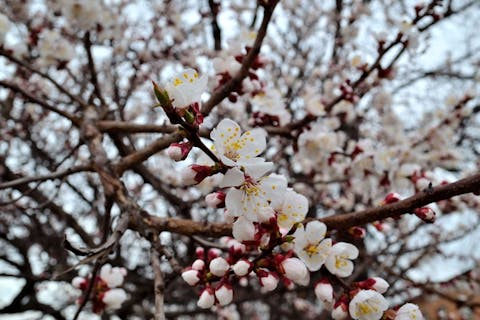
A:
<point x="311" y="249"/>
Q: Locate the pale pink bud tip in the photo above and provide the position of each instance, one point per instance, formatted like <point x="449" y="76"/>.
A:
<point x="219" y="267"/>
<point x="206" y="299"/>
<point x="191" y="277"/>
<point x="426" y="214"/>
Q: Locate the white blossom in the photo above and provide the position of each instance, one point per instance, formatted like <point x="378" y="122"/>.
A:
<point x="269" y="282"/>
<point x="293" y="209"/>
<point x="186" y="88"/>
<point x="241" y="267"/>
<point x="367" y="305"/>
<point x="235" y="148"/>
<point x="409" y="311"/>
<point x="310" y="245"/>
<point x="338" y="262"/>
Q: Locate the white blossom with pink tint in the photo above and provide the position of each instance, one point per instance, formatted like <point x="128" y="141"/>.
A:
<point x="409" y="311"/>
<point x="338" y="262"/>
<point x="310" y="245"/>
<point x="367" y="305"/>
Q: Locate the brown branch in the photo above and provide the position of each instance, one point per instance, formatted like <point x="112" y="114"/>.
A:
<point x="216" y="32"/>
<point x="337" y="222"/>
<point x="111" y="126"/>
<point x="226" y="89"/>
<point x="51" y="176"/>
<point x="159" y="282"/>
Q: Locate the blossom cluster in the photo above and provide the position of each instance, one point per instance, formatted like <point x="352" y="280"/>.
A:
<point x="268" y="220"/>
<point x="105" y="293"/>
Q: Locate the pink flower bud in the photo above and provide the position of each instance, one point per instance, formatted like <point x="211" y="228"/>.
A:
<point x="179" y="151"/>
<point x="391" y="198"/>
<point x="357" y="232"/>
<point x="213" y="253"/>
<point x="324" y="292"/>
<point x="219" y="267"/>
<point x="242" y="267"/>
<point x="79" y="282"/>
<point x="375" y="283"/>
<point x="269" y="281"/>
<point x="224" y="294"/>
<point x="295" y="270"/>
<point x="195" y="173"/>
<point x="207" y="299"/>
<point x="191" y="277"/>
<point x="426" y="214"/>
<point x="198" y="264"/>
<point x="215" y="199"/>
<point x="340" y="310"/>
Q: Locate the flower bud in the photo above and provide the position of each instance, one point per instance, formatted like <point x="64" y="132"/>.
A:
<point x="198" y="264"/>
<point x="179" y="151"/>
<point x="391" y="198"/>
<point x="206" y="299"/>
<point x="215" y="199"/>
<point x="191" y="277"/>
<point x="324" y="292"/>
<point x="375" y="283"/>
<point x="357" y="232"/>
<point x="426" y="214"/>
<point x="195" y="174"/>
<point x="114" y="298"/>
<point x="219" y="267"/>
<point x="340" y="310"/>
<point x="79" y="282"/>
<point x="242" y="267"/>
<point x="295" y="270"/>
<point x="224" y="294"/>
<point x="113" y="277"/>
<point x="269" y="281"/>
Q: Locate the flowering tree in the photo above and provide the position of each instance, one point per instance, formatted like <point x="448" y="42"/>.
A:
<point x="237" y="159"/>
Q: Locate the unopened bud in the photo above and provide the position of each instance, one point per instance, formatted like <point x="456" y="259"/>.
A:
<point x="215" y="199"/>
<point x="195" y="173"/>
<point x="224" y="294"/>
<point x="207" y="299"/>
<point x="219" y="267"/>
<point x="191" y="277"/>
<point x="179" y="151"/>
<point x="426" y="214"/>
<point x="324" y="292"/>
<point x="357" y="232"/>
<point x="242" y="267"/>
<point x="391" y="198"/>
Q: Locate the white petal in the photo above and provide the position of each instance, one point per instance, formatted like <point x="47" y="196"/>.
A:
<point x="256" y="167"/>
<point x="315" y="231"/>
<point x="232" y="178"/>
<point x="234" y="202"/>
<point x="243" y="230"/>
